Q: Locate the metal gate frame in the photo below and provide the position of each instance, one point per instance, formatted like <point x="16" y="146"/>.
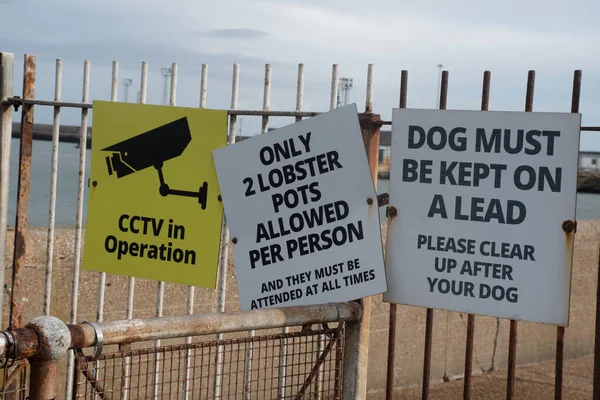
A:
<point x="93" y="374"/>
<point x="45" y="341"/>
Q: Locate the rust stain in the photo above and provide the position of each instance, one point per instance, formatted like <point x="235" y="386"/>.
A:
<point x="26" y="144"/>
<point x="569" y="226"/>
<point x="392" y="212"/>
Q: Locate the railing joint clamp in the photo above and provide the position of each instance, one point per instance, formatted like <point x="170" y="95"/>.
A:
<point x="99" y="338"/>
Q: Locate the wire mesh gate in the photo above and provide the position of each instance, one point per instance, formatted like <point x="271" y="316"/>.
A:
<point x="14" y="380"/>
<point x="189" y="370"/>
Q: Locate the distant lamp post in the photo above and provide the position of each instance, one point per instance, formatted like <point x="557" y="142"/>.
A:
<point x="127" y="82"/>
<point x="437" y="102"/>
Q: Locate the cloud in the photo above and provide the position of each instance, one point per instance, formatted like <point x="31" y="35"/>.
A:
<point x="239" y="33"/>
<point x="509" y="38"/>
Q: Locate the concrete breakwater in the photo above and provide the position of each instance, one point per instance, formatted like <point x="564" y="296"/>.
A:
<point x="588" y="181"/>
<point x="67" y="133"/>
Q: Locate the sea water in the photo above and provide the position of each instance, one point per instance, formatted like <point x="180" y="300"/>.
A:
<point x="588" y="205"/>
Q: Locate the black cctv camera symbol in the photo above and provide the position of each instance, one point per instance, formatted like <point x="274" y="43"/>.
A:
<point x="152" y="149"/>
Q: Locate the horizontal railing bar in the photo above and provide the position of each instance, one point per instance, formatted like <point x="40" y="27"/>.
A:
<point x="137" y="330"/>
<point x="269" y="113"/>
<point x="19" y="101"/>
<point x="583" y="128"/>
<point x="257" y="113"/>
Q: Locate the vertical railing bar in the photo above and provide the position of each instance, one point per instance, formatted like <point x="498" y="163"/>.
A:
<point x="160" y="296"/>
<point x="264" y="128"/>
<point x="356" y="356"/>
<point x="284" y="347"/>
<point x="53" y="179"/>
<point x="485" y="101"/>
<point x="334" y="87"/>
<point x="332" y="106"/>
<point x="23" y="189"/>
<point x="300" y="91"/>
<point x="512" y="340"/>
<point x="191" y="290"/>
<point x="114" y="88"/>
<point x="389" y="390"/>
<point x="6" y="91"/>
<point x="131" y="280"/>
<point x="203" y="85"/>
<point x="223" y="263"/>
<point x="144" y="82"/>
<point x="369" y="102"/>
<point x="560" y="331"/>
<point x="173" y="94"/>
<point x="79" y="219"/>
<point x="23" y="192"/>
<point x="429" y="316"/>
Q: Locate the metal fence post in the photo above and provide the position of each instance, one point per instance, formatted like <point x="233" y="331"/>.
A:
<point x="54" y="339"/>
<point x="356" y="349"/>
<point x="6" y="90"/>
<point x="22" y="220"/>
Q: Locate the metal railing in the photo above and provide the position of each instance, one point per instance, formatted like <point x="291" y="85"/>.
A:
<point x="189" y="370"/>
<point x="27" y="103"/>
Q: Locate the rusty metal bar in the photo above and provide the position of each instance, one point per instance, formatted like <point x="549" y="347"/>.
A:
<point x="512" y="342"/>
<point x="79" y="223"/>
<point x="389" y="388"/>
<point x="315" y="369"/>
<point x="20" y="242"/>
<point x="6" y="90"/>
<point x="512" y="356"/>
<point x="429" y="314"/>
<point x="369" y="102"/>
<point x="139" y="330"/>
<point x="427" y="353"/>
<point x="11" y="378"/>
<point x="558" y="373"/>
<point x="53" y="178"/>
<point x="89" y="376"/>
<point x="560" y="331"/>
<point x="17" y="101"/>
<point x="54" y="338"/>
<point x="356" y="350"/>
<point x="485" y="102"/>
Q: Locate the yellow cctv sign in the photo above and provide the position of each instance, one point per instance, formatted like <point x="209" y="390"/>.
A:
<point x="153" y="209"/>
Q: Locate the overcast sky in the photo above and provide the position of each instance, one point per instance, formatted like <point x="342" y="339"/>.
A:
<point x="506" y="37"/>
